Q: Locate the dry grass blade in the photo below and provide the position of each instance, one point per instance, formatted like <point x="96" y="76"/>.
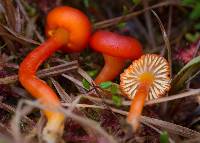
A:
<point x="114" y="21"/>
<point x="77" y="82"/>
<point x="167" y="43"/>
<point x="5" y="130"/>
<point x="82" y="120"/>
<point x="36" y="131"/>
<point x="173" y="128"/>
<point x="18" y="37"/>
<point x="157" y="130"/>
<point x="85" y="75"/>
<point x="10" y="37"/>
<point x="27" y="19"/>
<point x="185" y="73"/>
<point x="193" y="92"/>
<point x="7" y="38"/>
<point x="15" y="122"/>
<point x="9" y="79"/>
<point x="11" y="109"/>
<point x="148" y="21"/>
<point x="194" y="140"/>
<point x="65" y="97"/>
<point x="59" y="67"/>
<point x="9" y="13"/>
<point x="52" y="71"/>
<point x="58" y="72"/>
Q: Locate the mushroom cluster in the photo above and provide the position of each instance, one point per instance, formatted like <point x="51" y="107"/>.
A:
<point x="68" y="29"/>
<point x="145" y="79"/>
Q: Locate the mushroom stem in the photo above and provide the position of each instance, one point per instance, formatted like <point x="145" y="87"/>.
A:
<point x="38" y="88"/>
<point x="137" y="105"/>
<point x="145" y="77"/>
<point x="111" y="69"/>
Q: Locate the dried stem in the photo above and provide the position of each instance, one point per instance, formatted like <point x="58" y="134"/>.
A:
<point x="114" y="21"/>
<point x="52" y="71"/>
<point x="193" y="92"/>
<point x="82" y="120"/>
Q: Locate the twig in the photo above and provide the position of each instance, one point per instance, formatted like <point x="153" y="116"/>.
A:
<point x="82" y="120"/>
<point x="65" y="97"/>
<point x="176" y="129"/>
<point x="27" y="19"/>
<point x="193" y="92"/>
<point x="18" y="36"/>
<point x="167" y="43"/>
<point x="169" y="26"/>
<point x="77" y="82"/>
<point x="157" y="130"/>
<point x="113" y="21"/>
<point x="85" y="75"/>
<point x="11" y="109"/>
<point x="149" y="24"/>
<point x="52" y="71"/>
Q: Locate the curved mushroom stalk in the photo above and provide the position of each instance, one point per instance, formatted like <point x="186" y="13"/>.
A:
<point x="116" y="49"/>
<point x="62" y="35"/>
<point x="145" y="79"/>
<point x="112" y="67"/>
<point x="38" y="88"/>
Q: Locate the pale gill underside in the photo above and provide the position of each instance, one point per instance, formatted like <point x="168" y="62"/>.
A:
<point x="155" y="64"/>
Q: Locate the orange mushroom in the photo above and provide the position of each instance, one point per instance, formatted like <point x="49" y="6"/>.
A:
<point x="115" y="49"/>
<point x="145" y="79"/>
<point x="68" y="29"/>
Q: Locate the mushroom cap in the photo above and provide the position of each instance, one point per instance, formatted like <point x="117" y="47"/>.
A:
<point x="72" y="20"/>
<point x="116" y="45"/>
<point x="152" y="64"/>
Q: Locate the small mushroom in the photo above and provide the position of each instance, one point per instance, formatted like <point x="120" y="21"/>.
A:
<point x="145" y="79"/>
<point x="116" y="49"/>
<point x="68" y="29"/>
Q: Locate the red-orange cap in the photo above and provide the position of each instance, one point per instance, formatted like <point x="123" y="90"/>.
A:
<point x="116" y="45"/>
<point x="72" y="20"/>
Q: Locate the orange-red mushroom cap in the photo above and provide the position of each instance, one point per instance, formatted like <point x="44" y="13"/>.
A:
<point x="72" y="20"/>
<point x="116" y="45"/>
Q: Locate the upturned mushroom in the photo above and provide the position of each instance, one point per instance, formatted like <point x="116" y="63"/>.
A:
<point x="116" y="49"/>
<point x="145" y="79"/>
<point x="68" y="30"/>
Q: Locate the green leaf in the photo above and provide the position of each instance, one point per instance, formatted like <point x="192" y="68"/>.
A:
<point x="86" y="84"/>
<point x="121" y="25"/>
<point x="188" y="2"/>
<point x="195" y="12"/>
<point x="86" y="3"/>
<point x="197" y="26"/>
<point x="117" y="100"/>
<point x="164" y="137"/>
<point x="184" y="74"/>
<point x="114" y="89"/>
<point x="136" y="1"/>
<point x="106" y="84"/>
<point x="111" y="87"/>
<point x="192" y="37"/>
<point x="92" y="73"/>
